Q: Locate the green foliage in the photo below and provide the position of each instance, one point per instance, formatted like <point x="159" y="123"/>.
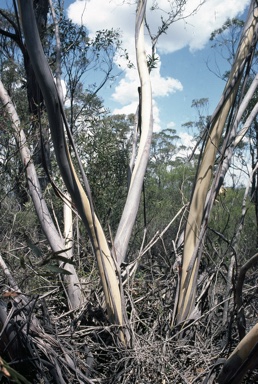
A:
<point x="152" y="61"/>
<point x="230" y="24"/>
<point x="226" y="218"/>
<point x="225" y="41"/>
<point x="104" y="149"/>
<point x="104" y="145"/>
<point x="55" y="269"/>
<point x="8" y="373"/>
<point x="200" y="124"/>
<point x="167" y="189"/>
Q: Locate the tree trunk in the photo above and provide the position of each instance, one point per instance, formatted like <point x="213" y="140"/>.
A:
<point x="56" y="243"/>
<point x="193" y="234"/>
<point x="242" y="359"/>
<point x="145" y="121"/>
<point x="109" y="272"/>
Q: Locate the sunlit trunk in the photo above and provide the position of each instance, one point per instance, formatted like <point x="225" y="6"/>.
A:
<point x="193" y="234"/>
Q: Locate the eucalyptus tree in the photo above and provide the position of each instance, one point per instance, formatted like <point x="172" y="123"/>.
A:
<point x="81" y="53"/>
<point x="226" y="118"/>
<point x="109" y="270"/>
<point x="32" y="150"/>
<point x="202" y="199"/>
<point x="110" y="253"/>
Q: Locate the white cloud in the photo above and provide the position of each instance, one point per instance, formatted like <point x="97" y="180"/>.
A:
<point x="127" y="109"/>
<point x="126" y="91"/>
<point x="171" y="124"/>
<point x="120" y="15"/>
<point x="163" y="86"/>
<point x="193" y="32"/>
<point x="156" y="117"/>
<point x="99" y="14"/>
<point x="132" y="107"/>
<point x="187" y="140"/>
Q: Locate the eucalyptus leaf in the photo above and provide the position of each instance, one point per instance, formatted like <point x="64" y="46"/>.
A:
<point x="63" y="259"/>
<point x="62" y="251"/>
<point x="37" y="252"/>
<point x="56" y="269"/>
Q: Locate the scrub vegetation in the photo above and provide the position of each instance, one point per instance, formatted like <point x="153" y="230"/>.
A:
<point x="125" y="257"/>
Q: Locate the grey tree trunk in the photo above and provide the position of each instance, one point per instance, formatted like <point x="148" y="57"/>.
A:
<point x="56" y="243"/>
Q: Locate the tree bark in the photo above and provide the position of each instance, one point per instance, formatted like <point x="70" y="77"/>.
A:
<point x="82" y="200"/>
<point x="194" y="236"/>
<point x="130" y="211"/>
<point x="242" y="359"/>
<point x="55" y="241"/>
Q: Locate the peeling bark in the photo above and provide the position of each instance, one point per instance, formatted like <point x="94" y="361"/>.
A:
<point x="195" y="231"/>
<point x="242" y="359"/>
<point x="107" y="266"/>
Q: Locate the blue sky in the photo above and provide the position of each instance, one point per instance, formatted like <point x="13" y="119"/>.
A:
<point x="182" y="74"/>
